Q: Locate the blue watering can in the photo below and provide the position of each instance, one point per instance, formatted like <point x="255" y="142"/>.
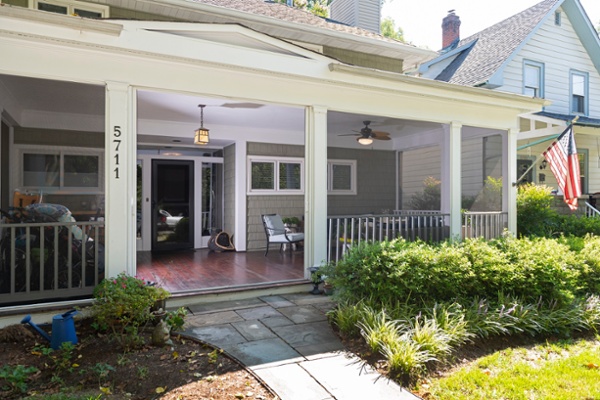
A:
<point x="63" y="329"/>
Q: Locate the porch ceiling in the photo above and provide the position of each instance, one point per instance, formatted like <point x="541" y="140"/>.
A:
<point x="169" y="119"/>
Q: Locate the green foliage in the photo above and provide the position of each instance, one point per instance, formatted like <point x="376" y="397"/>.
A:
<point x="490" y="198"/>
<point x="102" y="370"/>
<point x="535" y="217"/>
<point x="16" y="377"/>
<point x="317" y="7"/>
<point x="176" y="319"/>
<point x="123" y="305"/>
<point x="527" y="268"/>
<point x="429" y="198"/>
<point x="388" y="29"/>
<point x="291" y="220"/>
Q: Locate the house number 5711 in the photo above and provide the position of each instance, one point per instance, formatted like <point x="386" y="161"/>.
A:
<point x="117" y="143"/>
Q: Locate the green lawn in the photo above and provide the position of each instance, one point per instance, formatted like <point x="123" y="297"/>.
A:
<point x="565" y="370"/>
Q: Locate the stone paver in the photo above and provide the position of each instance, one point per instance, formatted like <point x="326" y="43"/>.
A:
<point x="287" y="341"/>
<point x="253" y="330"/>
<point x="217" y="335"/>
<point x="263" y="353"/>
<point x="292" y="382"/>
<point x="212" y="319"/>
<point x="346" y="377"/>
<point x="303" y="314"/>
<point x="258" y="313"/>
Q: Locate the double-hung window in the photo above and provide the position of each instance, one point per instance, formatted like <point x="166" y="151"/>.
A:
<point x="341" y="176"/>
<point x="579" y="92"/>
<point x="533" y="79"/>
<point x="281" y="175"/>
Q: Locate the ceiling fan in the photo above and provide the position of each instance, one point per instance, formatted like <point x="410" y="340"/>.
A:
<point x="366" y="135"/>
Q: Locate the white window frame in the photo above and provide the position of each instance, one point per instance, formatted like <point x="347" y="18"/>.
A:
<point x="586" y="94"/>
<point x="72" y="6"/>
<point x="353" y="172"/>
<point x="276" y="161"/>
<point x="540" y="83"/>
<point x="62" y="152"/>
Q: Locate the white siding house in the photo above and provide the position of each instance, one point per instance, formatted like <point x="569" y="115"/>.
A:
<point x="549" y="51"/>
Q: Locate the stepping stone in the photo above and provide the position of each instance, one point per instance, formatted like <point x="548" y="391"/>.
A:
<point x="303" y="314"/>
<point x="263" y="353"/>
<point x="217" y="335"/>
<point x="258" y="313"/>
<point x="253" y="330"/>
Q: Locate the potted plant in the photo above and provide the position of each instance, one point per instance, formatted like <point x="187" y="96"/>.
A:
<point x="291" y="222"/>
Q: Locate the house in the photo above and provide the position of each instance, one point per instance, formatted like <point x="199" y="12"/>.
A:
<point x="103" y="107"/>
<point x="549" y="51"/>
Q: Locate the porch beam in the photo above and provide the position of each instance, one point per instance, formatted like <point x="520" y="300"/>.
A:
<point x="120" y="179"/>
<point x="315" y="198"/>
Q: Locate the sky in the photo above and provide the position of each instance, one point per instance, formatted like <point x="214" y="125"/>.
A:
<point x="421" y="20"/>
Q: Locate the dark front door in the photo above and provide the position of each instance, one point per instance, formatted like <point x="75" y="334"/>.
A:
<point x="172" y="204"/>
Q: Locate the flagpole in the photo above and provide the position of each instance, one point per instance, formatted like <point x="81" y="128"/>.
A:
<point x="540" y="158"/>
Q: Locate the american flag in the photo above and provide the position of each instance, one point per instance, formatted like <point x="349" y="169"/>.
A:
<point x="564" y="164"/>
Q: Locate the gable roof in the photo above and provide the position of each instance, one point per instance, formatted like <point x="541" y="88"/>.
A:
<point x="281" y="21"/>
<point x="479" y="60"/>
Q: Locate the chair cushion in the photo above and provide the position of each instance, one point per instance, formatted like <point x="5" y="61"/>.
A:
<point x="293" y="237"/>
<point x="274" y="224"/>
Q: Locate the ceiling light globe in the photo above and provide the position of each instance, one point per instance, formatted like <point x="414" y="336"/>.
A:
<point x="365" y="141"/>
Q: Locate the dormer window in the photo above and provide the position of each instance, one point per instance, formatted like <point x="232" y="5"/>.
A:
<point x="557" y="18"/>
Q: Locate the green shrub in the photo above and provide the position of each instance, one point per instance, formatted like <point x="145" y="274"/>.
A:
<point x="535" y="217"/>
<point x="16" y="377"/>
<point x="123" y="306"/>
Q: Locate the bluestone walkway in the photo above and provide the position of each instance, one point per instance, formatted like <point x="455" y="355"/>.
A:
<point x="287" y="341"/>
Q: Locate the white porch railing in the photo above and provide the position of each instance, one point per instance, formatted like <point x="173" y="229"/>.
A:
<point x="43" y="261"/>
<point x="591" y="211"/>
<point x="487" y="224"/>
<point x="346" y="231"/>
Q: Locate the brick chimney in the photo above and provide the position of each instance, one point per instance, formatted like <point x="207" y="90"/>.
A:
<point x="450" y="29"/>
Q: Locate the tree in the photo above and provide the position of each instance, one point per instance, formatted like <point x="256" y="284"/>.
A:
<point x="388" y="29"/>
<point x="317" y="7"/>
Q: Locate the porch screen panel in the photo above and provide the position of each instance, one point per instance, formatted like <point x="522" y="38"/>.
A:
<point x="263" y="175"/>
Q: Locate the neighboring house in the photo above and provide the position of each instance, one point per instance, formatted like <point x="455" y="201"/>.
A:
<point x="107" y="108"/>
<point x="549" y="51"/>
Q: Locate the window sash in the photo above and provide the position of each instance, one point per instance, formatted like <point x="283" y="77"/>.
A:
<point x="341" y="177"/>
<point x="533" y="75"/>
<point x="579" y="92"/>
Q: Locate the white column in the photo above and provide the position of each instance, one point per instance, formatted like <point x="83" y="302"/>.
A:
<point x="120" y="179"/>
<point x="509" y="173"/>
<point x="315" y="193"/>
<point x="451" y="177"/>
<point x="241" y="174"/>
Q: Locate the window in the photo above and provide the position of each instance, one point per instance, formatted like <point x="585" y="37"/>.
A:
<point x="61" y="170"/>
<point x="579" y="92"/>
<point x="557" y="18"/>
<point x="268" y="175"/>
<point x="533" y="79"/>
<point x="70" y="7"/>
<point x="341" y="176"/>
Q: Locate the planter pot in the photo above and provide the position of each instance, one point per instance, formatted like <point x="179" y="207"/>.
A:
<point x="328" y="289"/>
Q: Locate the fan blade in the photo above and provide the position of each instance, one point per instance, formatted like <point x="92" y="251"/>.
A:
<point x="380" y="135"/>
<point x="350" y="134"/>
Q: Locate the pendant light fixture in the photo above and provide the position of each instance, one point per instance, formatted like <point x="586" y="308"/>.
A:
<point x="201" y="136"/>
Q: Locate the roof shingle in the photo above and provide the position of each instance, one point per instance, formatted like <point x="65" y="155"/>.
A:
<point x="494" y="46"/>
